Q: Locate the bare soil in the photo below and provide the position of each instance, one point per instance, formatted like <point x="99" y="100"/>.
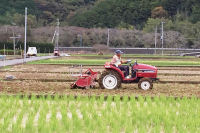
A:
<point x="22" y="75"/>
<point x="34" y="87"/>
<point x="59" y="72"/>
<point x="179" y="78"/>
<point x="66" y="76"/>
<point x="67" y="68"/>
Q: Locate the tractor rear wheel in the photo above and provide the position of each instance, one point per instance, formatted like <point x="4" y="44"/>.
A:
<point x="145" y="84"/>
<point x="110" y="80"/>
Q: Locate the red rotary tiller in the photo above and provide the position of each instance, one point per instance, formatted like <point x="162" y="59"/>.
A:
<point x="85" y="80"/>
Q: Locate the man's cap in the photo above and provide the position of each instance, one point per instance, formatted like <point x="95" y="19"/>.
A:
<point x="118" y="52"/>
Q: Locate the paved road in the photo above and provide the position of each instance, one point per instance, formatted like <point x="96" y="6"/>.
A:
<point x="20" y="61"/>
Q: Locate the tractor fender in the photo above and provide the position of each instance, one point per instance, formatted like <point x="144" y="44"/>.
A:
<point x="115" y="69"/>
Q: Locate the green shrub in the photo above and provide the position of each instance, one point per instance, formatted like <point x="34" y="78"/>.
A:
<point x="10" y="52"/>
<point x="41" y="47"/>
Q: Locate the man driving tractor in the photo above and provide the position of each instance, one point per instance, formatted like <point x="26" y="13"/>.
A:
<point x="117" y="61"/>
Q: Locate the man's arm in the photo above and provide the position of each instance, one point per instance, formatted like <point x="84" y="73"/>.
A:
<point x="114" y="60"/>
<point x="124" y="62"/>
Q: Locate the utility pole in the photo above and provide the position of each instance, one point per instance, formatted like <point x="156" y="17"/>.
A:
<point x="81" y="40"/>
<point x="53" y="36"/>
<point x="4" y="50"/>
<point x="162" y="35"/>
<point x="25" y="33"/>
<point x="14" y="40"/>
<point x="57" y="33"/>
<point x="108" y="39"/>
<point x="156" y="38"/>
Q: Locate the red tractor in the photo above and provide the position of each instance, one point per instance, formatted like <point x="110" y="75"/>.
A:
<point x="112" y="77"/>
<point x="142" y="74"/>
<point x="56" y="52"/>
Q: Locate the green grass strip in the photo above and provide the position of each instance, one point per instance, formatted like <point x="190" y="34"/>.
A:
<point x="133" y="55"/>
<point x="102" y="62"/>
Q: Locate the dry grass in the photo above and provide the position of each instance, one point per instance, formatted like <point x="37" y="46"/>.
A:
<point x="127" y="89"/>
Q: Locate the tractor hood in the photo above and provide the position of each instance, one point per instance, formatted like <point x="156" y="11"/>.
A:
<point x="144" y="67"/>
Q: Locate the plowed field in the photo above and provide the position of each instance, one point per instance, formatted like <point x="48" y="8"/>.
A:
<point x="56" y="79"/>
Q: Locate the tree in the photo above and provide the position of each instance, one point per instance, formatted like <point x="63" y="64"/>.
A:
<point x="195" y="17"/>
<point x="32" y="21"/>
<point x="152" y="23"/>
<point x="159" y="12"/>
<point x="113" y="12"/>
<point x="171" y="6"/>
<point x="18" y="19"/>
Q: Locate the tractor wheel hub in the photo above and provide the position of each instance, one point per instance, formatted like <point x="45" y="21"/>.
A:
<point x="145" y="85"/>
<point x="110" y="81"/>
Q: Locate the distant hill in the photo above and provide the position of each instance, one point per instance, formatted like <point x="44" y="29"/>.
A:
<point x="98" y="13"/>
<point x="117" y="13"/>
<point x="41" y="12"/>
<point x="181" y="17"/>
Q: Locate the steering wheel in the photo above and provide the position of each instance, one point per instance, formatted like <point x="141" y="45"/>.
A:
<point x="134" y="63"/>
<point x="129" y="61"/>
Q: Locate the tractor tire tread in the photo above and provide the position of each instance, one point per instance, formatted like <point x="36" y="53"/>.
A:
<point x="145" y="79"/>
<point x="106" y="72"/>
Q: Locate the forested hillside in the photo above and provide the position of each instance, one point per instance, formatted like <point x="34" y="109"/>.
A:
<point x="114" y="13"/>
<point x="100" y="13"/>
<point x="41" y="12"/>
<point x="180" y="16"/>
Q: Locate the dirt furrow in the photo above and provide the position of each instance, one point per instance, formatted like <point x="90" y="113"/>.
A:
<point x="71" y="80"/>
<point x="37" y="87"/>
<point x="77" y="72"/>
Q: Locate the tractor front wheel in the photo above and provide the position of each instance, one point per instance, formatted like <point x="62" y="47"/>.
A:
<point x="145" y="84"/>
<point x="109" y="80"/>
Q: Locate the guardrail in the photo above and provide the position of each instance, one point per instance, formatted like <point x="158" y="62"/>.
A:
<point x="177" y="51"/>
<point x="2" y="57"/>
